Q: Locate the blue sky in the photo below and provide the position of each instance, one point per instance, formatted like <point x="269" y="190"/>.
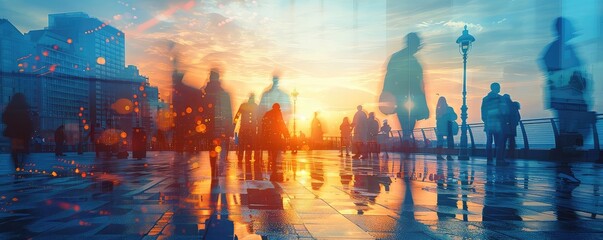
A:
<point x="335" y="55"/>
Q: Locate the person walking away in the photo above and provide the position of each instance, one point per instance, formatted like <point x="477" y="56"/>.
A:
<point x="59" y="140"/>
<point x="346" y="136"/>
<point x="317" y="134"/>
<point x="491" y="116"/>
<point x="384" y="136"/>
<point x="513" y="121"/>
<point x="246" y="116"/>
<point x="218" y="116"/>
<point x="274" y="135"/>
<point x="495" y="112"/>
<point x="445" y="127"/>
<point x="404" y="89"/>
<point x="373" y="131"/>
<point x="19" y="126"/>
<point x="359" y="124"/>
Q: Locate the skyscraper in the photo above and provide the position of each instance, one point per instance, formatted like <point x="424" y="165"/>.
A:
<point x="103" y="49"/>
<point x="73" y="74"/>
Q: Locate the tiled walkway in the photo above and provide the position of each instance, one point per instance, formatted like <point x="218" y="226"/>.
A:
<point x="322" y="196"/>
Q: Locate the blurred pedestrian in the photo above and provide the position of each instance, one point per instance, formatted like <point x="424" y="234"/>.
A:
<point x="373" y="131"/>
<point x="446" y="126"/>
<point x="59" y="140"/>
<point x="316" y="134"/>
<point x="247" y="118"/>
<point x="359" y="124"/>
<point x="218" y="117"/>
<point x="346" y="136"/>
<point x="494" y="114"/>
<point x="19" y="126"/>
<point x="404" y="89"/>
<point x="383" y="137"/>
<point x="513" y="120"/>
<point x="274" y="136"/>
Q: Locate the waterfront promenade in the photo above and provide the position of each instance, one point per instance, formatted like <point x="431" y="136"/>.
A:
<point x="321" y="196"/>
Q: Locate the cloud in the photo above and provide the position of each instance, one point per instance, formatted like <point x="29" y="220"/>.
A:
<point x="455" y="25"/>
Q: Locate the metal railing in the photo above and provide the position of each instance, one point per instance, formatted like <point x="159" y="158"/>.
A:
<point x="535" y="134"/>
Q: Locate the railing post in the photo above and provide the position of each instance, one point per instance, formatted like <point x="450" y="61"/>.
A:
<point x="424" y="137"/>
<point x="400" y="137"/>
<point x="596" y="136"/>
<point x="526" y="145"/>
<point x="555" y="132"/>
<point x="412" y="135"/>
<point x="472" y="140"/>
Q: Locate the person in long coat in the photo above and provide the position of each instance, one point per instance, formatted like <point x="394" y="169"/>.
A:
<point x="218" y="119"/>
<point x="19" y="126"/>
<point x="359" y="123"/>
<point x="404" y="84"/>
<point x="445" y="116"/>
<point x="274" y="136"/>
<point x="247" y="117"/>
<point x="346" y="136"/>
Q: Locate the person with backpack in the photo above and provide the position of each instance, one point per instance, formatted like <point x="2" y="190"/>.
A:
<point x="512" y="122"/>
<point x="494" y="113"/>
<point x="446" y="126"/>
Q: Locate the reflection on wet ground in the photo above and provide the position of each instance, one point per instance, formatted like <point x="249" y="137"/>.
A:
<point x="320" y="196"/>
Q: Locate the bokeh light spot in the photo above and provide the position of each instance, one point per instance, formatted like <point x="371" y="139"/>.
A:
<point x="101" y="61"/>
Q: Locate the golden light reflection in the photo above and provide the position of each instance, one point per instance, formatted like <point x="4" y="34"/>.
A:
<point x="110" y="136"/>
<point x="201" y="128"/>
<point x="100" y="61"/>
<point x="122" y="106"/>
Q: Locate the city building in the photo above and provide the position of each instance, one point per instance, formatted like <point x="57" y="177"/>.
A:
<point x="13" y="48"/>
<point x="73" y="73"/>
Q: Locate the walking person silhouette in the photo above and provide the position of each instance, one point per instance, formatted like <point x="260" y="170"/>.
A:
<point x="403" y="88"/>
<point x="19" y="125"/>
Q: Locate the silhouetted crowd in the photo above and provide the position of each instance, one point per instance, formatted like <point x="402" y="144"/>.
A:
<point x="204" y="117"/>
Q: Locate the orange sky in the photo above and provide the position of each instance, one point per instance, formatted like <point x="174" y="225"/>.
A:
<point x="334" y="52"/>
<point x="335" y="56"/>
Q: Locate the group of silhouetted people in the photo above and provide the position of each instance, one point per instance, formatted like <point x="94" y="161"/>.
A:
<point x="263" y="126"/>
<point x="500" y="116"/>
<point x="364" y="141"/>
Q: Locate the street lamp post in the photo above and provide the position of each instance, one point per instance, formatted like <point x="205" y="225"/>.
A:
<point x="294" y="94"/>
<point x="464" y="41"/>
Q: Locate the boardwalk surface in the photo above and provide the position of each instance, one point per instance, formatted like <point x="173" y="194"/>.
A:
<point x="321" y="196"/>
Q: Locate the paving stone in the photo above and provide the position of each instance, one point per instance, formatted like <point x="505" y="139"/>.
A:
<point x="323" y="196"/>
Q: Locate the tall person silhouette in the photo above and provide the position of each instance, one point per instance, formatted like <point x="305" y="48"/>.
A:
<point x="247" y="118"/>
<point x="494" y="112"/>
<point x="566" y="83"/>
<point x="19" y="125"/>
<point x="317" y="133"/>
<point x="445" y="126"/>
<point x="274" y="135"/>
<point x="403" y="87"/>
<point x="218" y="118"/>
<point x="359" y="123"/>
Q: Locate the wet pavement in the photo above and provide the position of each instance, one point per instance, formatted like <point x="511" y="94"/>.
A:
<point x="312" y="195"/>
